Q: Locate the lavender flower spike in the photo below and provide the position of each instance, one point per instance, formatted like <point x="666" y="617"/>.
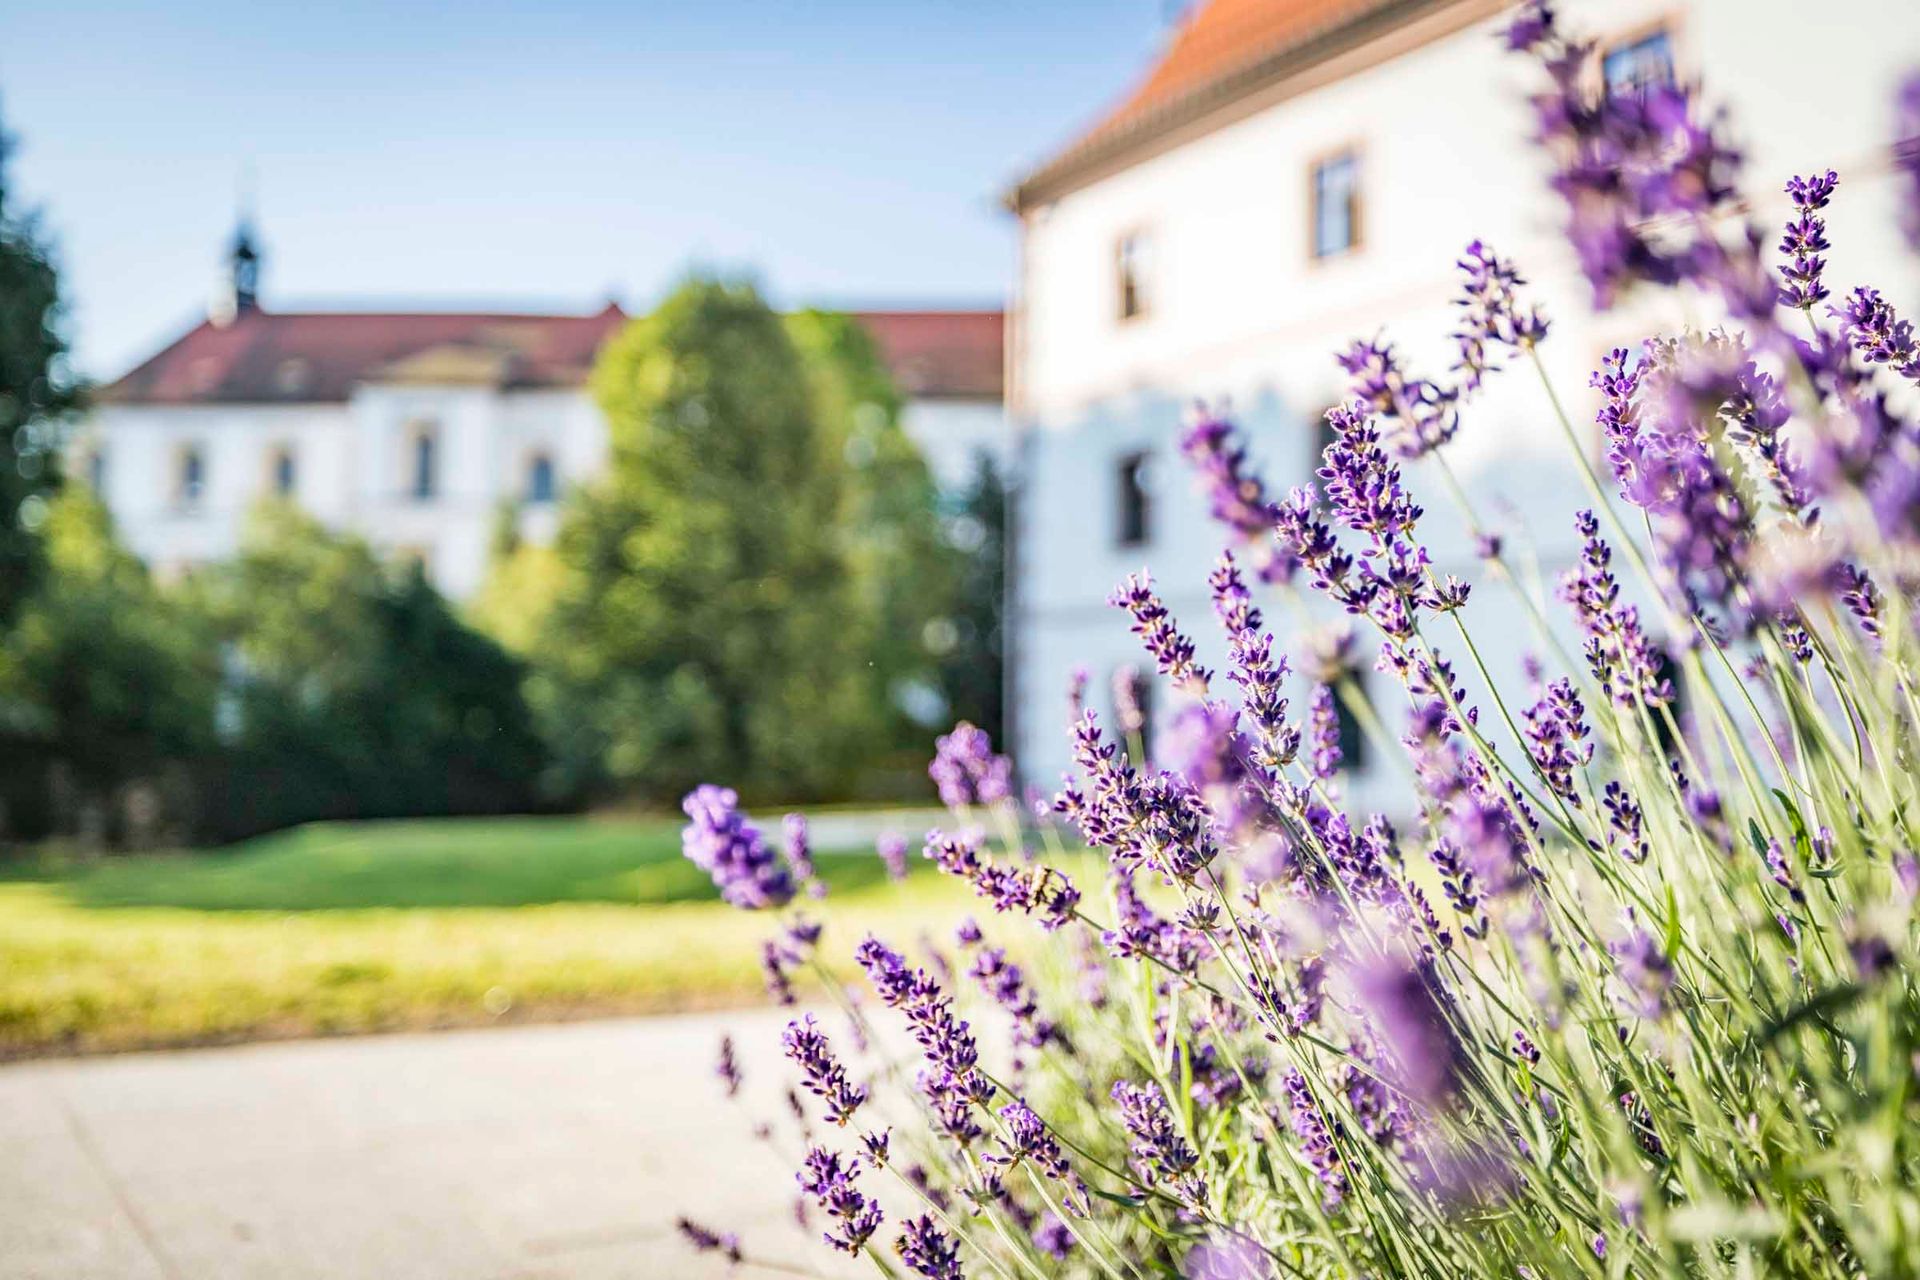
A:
<point x="1172" y="652"/>
<point x="1160" y="1153"/>
<point x="892" y="848"/>
<point x="830" y="1184"/>
<point x="1805" y="241"/>
<point x="966" y="770"/>
<point x="928" y="1251"/>
<point x="1877" y="335"/>
<point x="720" y="841"/>
<point x="706" y="1241"/>
<point x="821" y="1072"/>
<point x="1316" y="1141"/>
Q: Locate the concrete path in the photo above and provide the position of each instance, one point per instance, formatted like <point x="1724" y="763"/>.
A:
<point x="557" y="1151"/>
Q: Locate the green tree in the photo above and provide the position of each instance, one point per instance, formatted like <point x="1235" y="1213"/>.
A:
<point x="351" y="689"/>
<point x="709" y="625"/>
<point x="973" y="670"/>
<point x="35" y="392"/>
<point x="904" y="570"/>
<point x="105" y="681"/>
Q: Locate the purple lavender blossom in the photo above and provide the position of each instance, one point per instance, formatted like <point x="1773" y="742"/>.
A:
<point x="799" y="851"/>
<point x="1129" y="685"/>
<point x="831" y="1185"/>
<point x="1323" y="732"/>
<point x="874" y="1147"/>
<point x="1006" y="983"/>
<point x="1805" y="240"/>
<point x="1160" y="1155"/>
<point x="1877" y="334"/>
<point x="774" y="966"/>
<point x="946" y="1040"/>
<point x="1556" y="731"/>
<point x="1028" y="1138"/>
<point x="821" y="1072"/>
<point x="1235" y="496"/>
<point x="1625" y="828"/>
<point x="1255" y="668"/>
<point x="720" y="841"/>
<point x="892" y="848"/>
<point x="1491" y="314"/>
<point x="1316" y="1140"/>
<point x="1172" y="652"/>
<point x="1054" y="1237"/>
<point x="1404" y="1007"/>
<point x="927" y="1250"/>
<point x="728" y="1068"/>
<point x="1226" y="1258"/>
<point x="966" y="770"/>
<point x="1043" y="892"/>
<point x="707" y="1241"/>
<point x="1646" y="975"/>
<point x="1617" y="649"/>
<point x="1421" y="414"/>
<point x="1906" y="157"/>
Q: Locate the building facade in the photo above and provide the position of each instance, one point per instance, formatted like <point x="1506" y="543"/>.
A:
<point x="1293" y="175"/>
<point x="417" y="430"/>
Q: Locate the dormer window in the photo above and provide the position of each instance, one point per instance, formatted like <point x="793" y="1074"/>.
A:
<point x="540" y="485"/>
<point x="423" y="462"/>
<point x="189" y="476"/>
<point x="1132" y="263"/>
<point x="1336" y="204"/>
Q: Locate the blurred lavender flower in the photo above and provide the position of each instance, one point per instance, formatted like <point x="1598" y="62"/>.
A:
<point x="927" y="1250"/>
<point x="1235" y="496"/>
<point x="966" y="770"/>
<point x="1128" y="688"/>
<point x="1617" y="649"/>
<point x="1316" y="1141"/>
<point x="1402" y="1001"/>
<point x="823" y="1177"/>
<point x="821" y="1072"/>
<point x="706" y="1241"/>
<point x="1906" y="157"/>
<point x="1006" y="984"/>
<point x="1226" y="1258"/>
<point x="1160" y="1155"/>
<point x="1421" y="414"/>
<point x="1645" y="973"/>
<point x="1556" y="731"/>
<point x="799" y="851"/>
<point x="720" y="841"/>
<point x="1053" y="1237"/>
<point x="728" y="1068"/>
<point x="1255" y="668"/>
<point x="1028" y="1138"/>
<point x="892" y="848"/>
<point x="1323" y="729"/>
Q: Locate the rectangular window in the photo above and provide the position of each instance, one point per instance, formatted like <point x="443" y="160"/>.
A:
<point x="1353" y="740"/>
<point x="423" y="464"/>
<point x="1135" y="506"/>
<point x="1642" y="62"/>
<point x="1131" y="265"/>
<point x="283" y="473"/>
<point x="189" y="476"/>
<point x="1336" y="204"/>
<point x="540" y="478"/>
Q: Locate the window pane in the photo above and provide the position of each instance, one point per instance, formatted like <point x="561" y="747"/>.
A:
<point x="423" y="463"/>
<point x="1134" y="500"/>
<point x="1639" y="64"/>
<point x="1336" y="189"/>
<point x="540" y="479"/>
<point x="284" y="473"/>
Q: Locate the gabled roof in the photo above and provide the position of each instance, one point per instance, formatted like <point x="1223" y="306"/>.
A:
<point x="1221" y="52"/>
<point x="305" y="357"/>
<point x="941" y="354"/>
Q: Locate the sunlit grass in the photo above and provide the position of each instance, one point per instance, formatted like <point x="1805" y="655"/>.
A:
<point x="344" y="928"/>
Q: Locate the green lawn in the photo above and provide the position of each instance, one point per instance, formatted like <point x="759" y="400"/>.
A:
<point x="360" y="927"/>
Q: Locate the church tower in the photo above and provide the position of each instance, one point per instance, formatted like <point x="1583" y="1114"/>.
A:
<point x="239" y="288"/>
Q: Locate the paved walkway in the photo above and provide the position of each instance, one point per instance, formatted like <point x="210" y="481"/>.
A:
<point x="556" y="1151"/>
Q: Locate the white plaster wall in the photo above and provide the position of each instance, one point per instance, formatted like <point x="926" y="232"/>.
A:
<point x="1241" y="316"/>
<point x="952" y="433"/>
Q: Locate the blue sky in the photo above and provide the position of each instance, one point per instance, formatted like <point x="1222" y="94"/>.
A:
<point x="520" y="154"/>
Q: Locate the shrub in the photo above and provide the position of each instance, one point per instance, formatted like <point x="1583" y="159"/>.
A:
<point x="1632" y="993"/>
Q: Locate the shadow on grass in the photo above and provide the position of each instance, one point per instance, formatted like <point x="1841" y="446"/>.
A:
<point x="490" y="862"/>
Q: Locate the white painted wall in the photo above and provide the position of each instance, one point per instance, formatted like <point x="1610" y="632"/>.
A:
<point x="354" y="467"/>
<point x="1241" y="316"/>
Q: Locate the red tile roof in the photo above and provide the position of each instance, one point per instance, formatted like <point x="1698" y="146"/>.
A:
<point x="304" y="357"/>
<point x="309" y="357"/>
<point x="1220" y="50"/>
<point x="933" y="354"/>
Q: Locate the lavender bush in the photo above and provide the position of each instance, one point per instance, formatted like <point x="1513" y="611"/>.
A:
<point x="1625" y="992"/>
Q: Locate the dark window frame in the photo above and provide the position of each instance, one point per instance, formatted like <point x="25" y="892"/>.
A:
<point x="1133" y="492"/>
<point x="1352" y="157"/>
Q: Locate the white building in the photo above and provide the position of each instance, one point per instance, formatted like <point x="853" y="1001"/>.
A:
<point x="1296" y="174"/>
<point x="414" y="429"/>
